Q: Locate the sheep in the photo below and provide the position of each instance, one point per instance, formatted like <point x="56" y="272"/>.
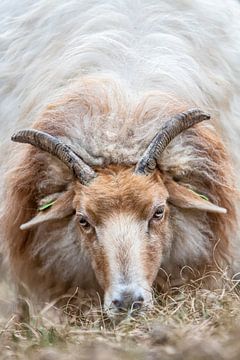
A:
<point x="126" y="178"/>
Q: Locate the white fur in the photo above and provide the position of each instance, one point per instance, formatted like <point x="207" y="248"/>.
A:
<point x="190" y="49"/>
<point x="122" y="234"/>
<point x="140" y="49"/>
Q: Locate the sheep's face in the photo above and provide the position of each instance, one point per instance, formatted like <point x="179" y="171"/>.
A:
<point x="122" y="220"/>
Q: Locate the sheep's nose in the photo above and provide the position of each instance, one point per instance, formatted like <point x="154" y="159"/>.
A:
<point x="128" y="301"/>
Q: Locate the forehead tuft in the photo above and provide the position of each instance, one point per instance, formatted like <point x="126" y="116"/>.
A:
<point x="118" y="189"/>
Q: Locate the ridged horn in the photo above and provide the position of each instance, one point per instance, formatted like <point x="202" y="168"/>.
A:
<point x="170" y="129"/>
<point x="56" y="147"/>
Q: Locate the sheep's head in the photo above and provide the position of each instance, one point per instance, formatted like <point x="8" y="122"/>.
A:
<point x="122" y="213"/>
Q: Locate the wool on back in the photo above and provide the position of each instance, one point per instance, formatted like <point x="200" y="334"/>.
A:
<point x="112" y="71"/>
<point x="190" y="50"/>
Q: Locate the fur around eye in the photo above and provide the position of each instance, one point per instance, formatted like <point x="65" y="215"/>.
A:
<point x="158" y="214"/>
<point x="83" y="222"/>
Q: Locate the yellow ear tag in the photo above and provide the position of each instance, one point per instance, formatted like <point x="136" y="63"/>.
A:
<point x="46" y="206"/>
<point x="200" y="195"/>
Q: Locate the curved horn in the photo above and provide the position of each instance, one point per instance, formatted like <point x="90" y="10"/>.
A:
<point x="56" y="147"/>
<point x="170" y="129"/>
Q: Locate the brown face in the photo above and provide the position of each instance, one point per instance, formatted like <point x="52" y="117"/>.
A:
<point x="123" y="223"/>
<point x="122" y="216"/>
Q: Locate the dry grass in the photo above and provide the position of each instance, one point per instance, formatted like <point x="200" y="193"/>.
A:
<point x="188" y="323"/>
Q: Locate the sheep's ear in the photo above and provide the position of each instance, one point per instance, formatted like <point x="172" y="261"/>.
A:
<point x="53" y="207"/>
<point x="185" y="198"/>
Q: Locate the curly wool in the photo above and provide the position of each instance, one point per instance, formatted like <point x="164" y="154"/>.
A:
<point x="104" y="76"/>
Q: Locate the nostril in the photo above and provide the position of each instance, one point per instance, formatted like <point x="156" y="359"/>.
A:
<point x="118" y="303"/>
<point x="138" y="303"/>
<point x="128" y="301"/>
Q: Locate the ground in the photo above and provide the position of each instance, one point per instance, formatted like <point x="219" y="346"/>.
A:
<point x="186" y="323"/>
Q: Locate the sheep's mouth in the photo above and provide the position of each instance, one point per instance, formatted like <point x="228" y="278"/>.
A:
<point x="124" y="314"/>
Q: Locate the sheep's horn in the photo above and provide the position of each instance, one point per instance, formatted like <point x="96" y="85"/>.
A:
<point x="56" y="147"/>
<point x="170" y="129"/>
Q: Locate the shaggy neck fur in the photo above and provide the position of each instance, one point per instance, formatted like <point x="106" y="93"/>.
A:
<point x="104" y="80"/>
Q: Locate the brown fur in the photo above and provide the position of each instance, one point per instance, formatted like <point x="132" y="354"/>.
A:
<point x="36" y="175"/>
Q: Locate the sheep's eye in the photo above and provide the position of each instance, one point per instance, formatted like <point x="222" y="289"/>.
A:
<point x="83" y="222"/>
<point x="158" y="215"/>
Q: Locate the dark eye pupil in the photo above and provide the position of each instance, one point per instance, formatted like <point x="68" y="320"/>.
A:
<point x="83" y="222"/>
<point x="158" y="213"/>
